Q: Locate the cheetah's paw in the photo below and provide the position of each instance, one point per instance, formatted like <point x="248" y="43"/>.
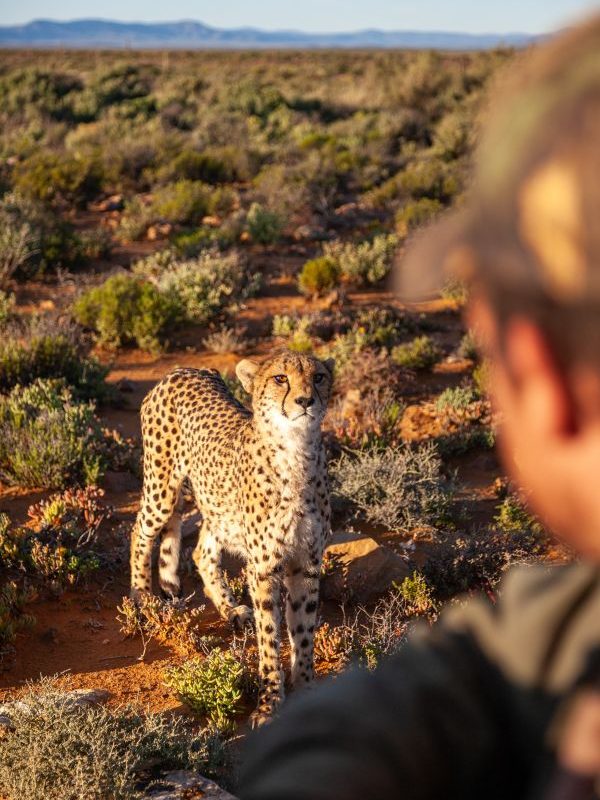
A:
<point x="240" y="616"/>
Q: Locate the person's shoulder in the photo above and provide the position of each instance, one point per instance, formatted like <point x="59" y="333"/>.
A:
<point x="543" y="626"/>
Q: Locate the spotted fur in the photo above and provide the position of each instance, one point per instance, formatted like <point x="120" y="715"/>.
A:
<point x="259" y="479"/>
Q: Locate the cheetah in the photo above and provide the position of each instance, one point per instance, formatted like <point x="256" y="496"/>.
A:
<point x="259" y="479"/>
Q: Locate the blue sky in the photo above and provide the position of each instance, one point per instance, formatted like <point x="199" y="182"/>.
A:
<point x="529" y="16"/>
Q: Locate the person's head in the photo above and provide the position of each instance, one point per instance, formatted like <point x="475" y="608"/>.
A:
<point x="527" y="242"/>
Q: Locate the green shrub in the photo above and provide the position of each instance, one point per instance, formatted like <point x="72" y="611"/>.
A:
<point x="34" y="239"/>
<point x="264" y="226"/>
<point x="416" y="214"/>
<point x="421" y="353"/>
<point x="58" y="750"/>
<point x="319" y="275"/>
<point x="209" y="166"/>
<point x="199" y="288"/>
<point x="46" y="355"/>
<point x="56" y="549"/>
<point x="135" y="220"/>
<point x="365" y="262"/>
<point x="212" y="686"/>
<point x="429" y="178"/>
<point x="13" y="617"/>
<point x="468" y="346"/>
<point x="127" y="309"/>
<point x="48" y="176"/>
<point x="513" y="515"/>
<point x="183" y="202"/>
<point x="47" y="439"/>
<point x="400" y="487"/>
<point x="456" y="398"/>
<point x="417" y="594"/>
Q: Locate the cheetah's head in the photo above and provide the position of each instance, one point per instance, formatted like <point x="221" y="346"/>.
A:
<point x="289" y="390"/>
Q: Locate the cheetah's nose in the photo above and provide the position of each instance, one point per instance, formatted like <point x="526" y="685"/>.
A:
<point x="305" y="402"/>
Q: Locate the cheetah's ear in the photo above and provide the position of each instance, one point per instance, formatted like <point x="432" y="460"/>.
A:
<point x="330" y="364"/>
<point x="246" y="370"/>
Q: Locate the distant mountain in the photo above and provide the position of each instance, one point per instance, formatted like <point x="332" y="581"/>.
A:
<point x="95" y="33"/>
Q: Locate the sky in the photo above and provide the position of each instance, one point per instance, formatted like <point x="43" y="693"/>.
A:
<point x="472" y="16"/>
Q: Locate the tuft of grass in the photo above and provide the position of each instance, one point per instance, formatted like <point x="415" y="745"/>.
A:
<point x="401" y="487"/>
<point x="224" y="340"/>
<point x="420" y="353"/>
<point x="59" y="752"/>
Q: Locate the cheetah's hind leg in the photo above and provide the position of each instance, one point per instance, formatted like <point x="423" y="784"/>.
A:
<point x="170" y="547"/>
<point x="207" y="557"/>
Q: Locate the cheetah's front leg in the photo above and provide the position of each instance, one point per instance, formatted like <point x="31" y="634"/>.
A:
<point x="266" y="593"/>
<point x="302" y="583"/>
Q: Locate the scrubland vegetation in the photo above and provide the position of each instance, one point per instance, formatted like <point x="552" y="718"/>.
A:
<point x="185" y="208"/>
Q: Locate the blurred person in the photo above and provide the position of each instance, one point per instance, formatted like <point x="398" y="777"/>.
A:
<point x="496" y="701"/>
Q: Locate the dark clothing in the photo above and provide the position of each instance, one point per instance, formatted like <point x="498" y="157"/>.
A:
<point x="463" y="711"/>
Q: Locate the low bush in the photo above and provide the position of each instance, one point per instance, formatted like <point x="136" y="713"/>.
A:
<point x="48" y="176"/>
<point x="366" y="638"/>
<point x="126" y="309"/>
<point x="429" y="178"/>
<point x="35" y="239"/>
<point x="171" y="624"/>
<point x="401" y="488"/>
<point x="420" y="353"/>
<point x="7" y="304"/>
<point x="183" y="202"/>
<point x="212" y="686"/>
<point x="477" y="562"/>
<point x="56" y="549"/>
<point x="416" y="214"/>
<point x="48" y="439"/>
<point x="365" y="262"/>
<point x="319" y="275"/>
<point x="27" y="356"/>
<point x="264" y="226"/>
<point x="58" y="751"/>
<point x="457" y="398"/>
<point x="198" y="289"/>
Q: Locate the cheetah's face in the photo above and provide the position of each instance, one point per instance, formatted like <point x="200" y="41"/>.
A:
<point x="288" y="390"/>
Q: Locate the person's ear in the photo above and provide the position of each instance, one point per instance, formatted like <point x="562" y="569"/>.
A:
<point x="246" y="370"/>
<point x="540" y="389"/>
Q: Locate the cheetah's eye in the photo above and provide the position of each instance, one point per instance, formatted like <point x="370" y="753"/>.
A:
<point x="280" y="379"/>
<point x="319" y="377"/>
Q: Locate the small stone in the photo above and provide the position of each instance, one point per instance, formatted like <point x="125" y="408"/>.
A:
<point x="112" y="203"/>
<point x="125" y="385"/>
<point x="83" y="698"/>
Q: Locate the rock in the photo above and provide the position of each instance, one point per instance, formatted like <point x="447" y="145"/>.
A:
<point x="125" y="385"/>
<point x="212" y="221"/>
<point x="311" y="233"/>
<point x="83" y="698"/>
<point x="161" y="230"/>
<point x="182" y="783"/>
<point x="112" y="203"/>
<point x="121" y="481"/>
<point x="360" y="569"/>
